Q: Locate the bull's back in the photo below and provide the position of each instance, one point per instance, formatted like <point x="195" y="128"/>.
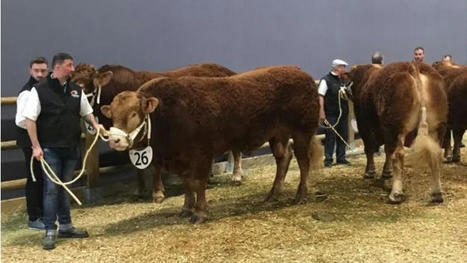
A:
<point x="244" y="109"/>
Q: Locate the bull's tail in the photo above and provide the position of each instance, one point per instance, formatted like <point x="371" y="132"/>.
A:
<point x="425" y="151"/>
<point x="316" y="154"/>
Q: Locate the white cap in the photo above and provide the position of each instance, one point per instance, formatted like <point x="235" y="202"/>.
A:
<point x="338" y="62"/>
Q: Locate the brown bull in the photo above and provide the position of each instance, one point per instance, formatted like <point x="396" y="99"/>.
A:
<point x="455" y="78"/>
<point x="104" y="84"/>
<point x="402" y="104"/>
<point x="193" y="120"/>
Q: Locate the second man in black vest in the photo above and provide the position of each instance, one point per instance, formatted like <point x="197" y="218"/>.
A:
<point x="336" y="114"/>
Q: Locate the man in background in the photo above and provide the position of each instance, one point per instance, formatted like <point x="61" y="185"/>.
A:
<point x="377" y="58"/>
<point x="418" y="54"/>
<point x="330" y="110"/>
<point x="38" y="68"/>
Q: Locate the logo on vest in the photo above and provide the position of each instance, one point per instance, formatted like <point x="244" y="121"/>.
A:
<point x="74" y="94"/>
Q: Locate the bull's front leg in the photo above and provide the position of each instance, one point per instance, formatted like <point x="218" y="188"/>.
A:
<point x="370" y="170"/>
<point x="158" y="192"/>
<point x="141" y="183"/>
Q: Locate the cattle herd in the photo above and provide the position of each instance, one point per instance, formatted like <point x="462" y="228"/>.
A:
<point x="193" y="114"/>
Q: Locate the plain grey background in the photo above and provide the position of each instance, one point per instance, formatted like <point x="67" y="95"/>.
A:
<point x="158" y="35"/>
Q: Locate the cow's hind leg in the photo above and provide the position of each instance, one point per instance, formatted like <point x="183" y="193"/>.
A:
<point x="158" y="194"/>
<point x="237" y="170"/>
<point x="457" y="134"/>
<point x="397" y="196"/>
<point x="302" y="150"/>
<point x="200" y="214"/>
<point x="198" y="179"/>
<point x="187" y="209"/>
<point x="283" y="154"/>
<point x="448" y="152"/>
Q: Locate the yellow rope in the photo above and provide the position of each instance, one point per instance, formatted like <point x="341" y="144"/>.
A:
<point x="330" y="126"/>
<point x="54" y="178"/>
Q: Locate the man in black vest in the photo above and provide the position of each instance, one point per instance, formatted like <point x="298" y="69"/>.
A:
<point x="334" y="113"/>
<point x="53" y="114"/>
<point x="38" y="68"/>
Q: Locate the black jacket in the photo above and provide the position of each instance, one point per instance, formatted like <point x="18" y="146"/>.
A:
<point x="58" y="124"/>
<point x="22" y="137"/>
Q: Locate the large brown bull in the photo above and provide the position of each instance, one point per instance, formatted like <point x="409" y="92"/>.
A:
<point x="401" y="104"/>
<point x="102" y="85"/>
<point x="455" y="78"/>
<point x="193" y="120"/>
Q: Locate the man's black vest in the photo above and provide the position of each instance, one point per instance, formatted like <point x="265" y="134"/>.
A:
<point x="331" y="105"/>
<point x="22" y="137"/>
<point x="58" y="124"/>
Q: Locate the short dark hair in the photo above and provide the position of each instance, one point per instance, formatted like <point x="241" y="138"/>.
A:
<point x="377" y="58"/>
<point x="417" y="48"/>
<point x="38" y="60"/>
<point x="59" y="58"/>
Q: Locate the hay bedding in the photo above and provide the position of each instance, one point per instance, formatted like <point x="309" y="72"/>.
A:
<point x="353" y="224"/>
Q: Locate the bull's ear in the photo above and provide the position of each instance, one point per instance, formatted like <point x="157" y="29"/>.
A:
<point x="150" y="104"/>
<point x="102" y="79"/>
<point x="106" y="111"/>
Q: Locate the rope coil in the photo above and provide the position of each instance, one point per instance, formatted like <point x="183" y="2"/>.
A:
<point x="328" y="125"/>
<point x="54" y="178"/>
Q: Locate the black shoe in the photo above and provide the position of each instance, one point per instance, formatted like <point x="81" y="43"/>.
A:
<point x="328" y="164"/>
<point x="49" y="242"/>
<point x="345" y="162"/>
<point x="73" y="233"/>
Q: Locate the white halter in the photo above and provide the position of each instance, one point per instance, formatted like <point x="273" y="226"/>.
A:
<point x="95" y="95"/>
<point x="130" y="137"/>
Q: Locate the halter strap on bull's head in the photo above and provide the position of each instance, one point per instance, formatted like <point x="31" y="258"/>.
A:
<point x="99" y="80"/>
<point x="130" y="137"/>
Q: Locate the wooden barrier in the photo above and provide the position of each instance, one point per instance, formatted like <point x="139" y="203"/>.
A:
<point x="8" y="100"/>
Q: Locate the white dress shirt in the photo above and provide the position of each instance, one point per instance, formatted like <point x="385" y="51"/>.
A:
<point x="33" y="109"/>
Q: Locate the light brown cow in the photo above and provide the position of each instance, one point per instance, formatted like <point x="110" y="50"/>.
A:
<point x="394" y="106"/>
<point x="194" y="119"/>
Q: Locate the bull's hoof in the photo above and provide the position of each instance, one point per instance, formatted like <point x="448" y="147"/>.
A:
<point x="369" y="175"/>
<point x="386" y="175"/>
<point x="271" y="197"/>
<point x="437" y="198"/>
<point x="158" y="199"/>
<point x="185" y="213"/>
<point x="300" y="199"/>
<point x="235" y="183"/>
<point x="194" y="219"/>
<point x="396" y="198"/>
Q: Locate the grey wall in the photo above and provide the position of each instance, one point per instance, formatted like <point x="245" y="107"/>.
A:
<point x="240" y="34"/>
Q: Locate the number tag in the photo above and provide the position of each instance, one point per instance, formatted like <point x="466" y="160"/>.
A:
<point x="89" y="127"/>
<point x="142" y="158"/>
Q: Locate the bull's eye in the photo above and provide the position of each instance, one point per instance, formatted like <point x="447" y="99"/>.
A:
<point x="133" y="115"/>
